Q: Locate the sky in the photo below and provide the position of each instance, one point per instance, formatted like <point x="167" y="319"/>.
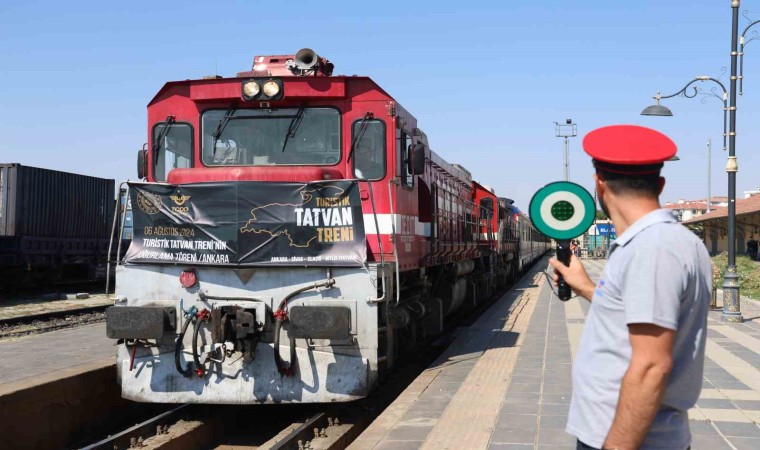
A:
<point x="486" y="80"/>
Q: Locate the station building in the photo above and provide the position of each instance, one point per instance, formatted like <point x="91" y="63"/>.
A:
<point x="712" y="226"/>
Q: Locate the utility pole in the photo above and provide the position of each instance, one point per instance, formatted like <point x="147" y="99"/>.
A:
<point x="567" y="158"/>
<point x="709" y="162"/>
<point x="566" y="131"/>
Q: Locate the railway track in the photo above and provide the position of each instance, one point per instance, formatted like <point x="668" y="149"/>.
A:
<point x="45" y="314"/>
<point x="18" y="326"/>
<point x="285" y="427"/>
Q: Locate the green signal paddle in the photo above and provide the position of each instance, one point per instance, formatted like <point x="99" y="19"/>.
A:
<point x="562" y="211"/>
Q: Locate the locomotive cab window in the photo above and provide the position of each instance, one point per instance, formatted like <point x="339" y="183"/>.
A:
<point x="404" y="157"/>
<point x="369" y="152"/>
<point x="269" y="137"/>
<point x="172" y="147"/>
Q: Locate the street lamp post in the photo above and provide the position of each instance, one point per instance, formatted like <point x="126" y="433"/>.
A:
<point x="566" y="130"/>
<point x="731" y="305"/>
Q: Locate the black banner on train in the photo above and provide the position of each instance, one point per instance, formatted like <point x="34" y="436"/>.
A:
<point x="248" y="223"/>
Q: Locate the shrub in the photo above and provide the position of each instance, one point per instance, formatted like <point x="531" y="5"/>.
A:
<point x="749" y="274"/>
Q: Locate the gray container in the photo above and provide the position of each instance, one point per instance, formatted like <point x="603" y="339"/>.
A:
<point x="48" y="203"/>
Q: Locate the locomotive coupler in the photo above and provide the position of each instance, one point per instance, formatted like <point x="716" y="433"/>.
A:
<point x="238" y="326"/>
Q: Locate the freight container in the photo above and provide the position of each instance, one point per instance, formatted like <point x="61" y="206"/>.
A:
<point x="54" y="226"/>
<point x="49" y="203"/>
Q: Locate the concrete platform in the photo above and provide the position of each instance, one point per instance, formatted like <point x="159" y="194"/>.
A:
<point x="505" y="383"/>
<point x="55" y="387"/>
<point x="31" y="359"/>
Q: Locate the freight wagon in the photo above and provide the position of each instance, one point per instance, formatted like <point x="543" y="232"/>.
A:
<point x="54" y="226"/>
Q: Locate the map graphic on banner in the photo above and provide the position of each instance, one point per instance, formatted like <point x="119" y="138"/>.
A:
<point x="248" y="223"/>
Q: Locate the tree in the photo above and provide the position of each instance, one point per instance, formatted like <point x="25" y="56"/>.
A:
<point x="600" y="215"/>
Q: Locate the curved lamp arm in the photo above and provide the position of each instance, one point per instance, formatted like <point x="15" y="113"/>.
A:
<point x="685" y="93"/>
<point x="742" y="42"/>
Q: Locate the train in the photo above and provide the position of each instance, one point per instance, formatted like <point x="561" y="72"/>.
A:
<point x="55" y="227"/>
<point x="294" y="236"/>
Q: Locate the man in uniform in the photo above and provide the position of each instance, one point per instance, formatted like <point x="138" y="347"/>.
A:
<point x="639" y="365"/>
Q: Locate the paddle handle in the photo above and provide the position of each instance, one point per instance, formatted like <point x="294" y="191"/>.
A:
<point x="563" y="255"/>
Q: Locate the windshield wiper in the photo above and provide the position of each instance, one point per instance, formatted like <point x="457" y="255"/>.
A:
<point x="293" y="128"/>
<point x="220" y="128"/>
<point x="360" y="134"/>
<point x="161" y="136"/>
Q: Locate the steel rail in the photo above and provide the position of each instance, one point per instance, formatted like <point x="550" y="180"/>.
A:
<point x="303" y="433"/>
<point x="143" y="429"/>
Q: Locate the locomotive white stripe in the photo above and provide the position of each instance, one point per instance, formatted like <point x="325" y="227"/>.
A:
<point x="386" y="223"/>
<point x="423" y="228"/>
<point x="562" y="225"/>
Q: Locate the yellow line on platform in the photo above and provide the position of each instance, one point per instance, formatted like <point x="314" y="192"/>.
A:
<point x="574" y="311"/>
<point x="469" y="418"/>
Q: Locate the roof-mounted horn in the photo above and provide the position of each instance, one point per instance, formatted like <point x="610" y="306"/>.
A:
<point x="304" y="63"/>
<point x="307" y="62"/>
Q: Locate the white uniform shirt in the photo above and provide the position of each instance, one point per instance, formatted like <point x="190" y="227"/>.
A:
<point x="658" y="272"/>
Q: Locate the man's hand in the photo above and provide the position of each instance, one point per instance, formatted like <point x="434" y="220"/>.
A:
<point x="575" y="276"/>
<point x="643" y="385"/>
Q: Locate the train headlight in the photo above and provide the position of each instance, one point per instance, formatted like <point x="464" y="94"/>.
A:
<point x="251" y="89"/>
<point x="262" y="89"/>
<point x="271" y="88"/>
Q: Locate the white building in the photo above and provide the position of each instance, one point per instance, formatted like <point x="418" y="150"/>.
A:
<point x="684" y="210"/>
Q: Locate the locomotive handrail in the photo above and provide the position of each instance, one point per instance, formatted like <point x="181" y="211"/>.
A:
<point x="393" y="238"/>
<point x="121" y="228"/>
<point x="379" y="243"/>
<point x="113" y="232"/>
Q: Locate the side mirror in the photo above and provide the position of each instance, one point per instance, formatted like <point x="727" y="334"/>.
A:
<point x="142" y="164"/>
<point x="409" y="160"/>
<point x="417" y="153"/>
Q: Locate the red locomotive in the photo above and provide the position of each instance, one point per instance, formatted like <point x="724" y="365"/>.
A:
<point x="303" y="227"/>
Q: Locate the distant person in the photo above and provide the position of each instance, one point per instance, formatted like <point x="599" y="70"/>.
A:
<point x="575" y="248"/>
<point x="752" y="249"/>
<point x="639" y="364"/>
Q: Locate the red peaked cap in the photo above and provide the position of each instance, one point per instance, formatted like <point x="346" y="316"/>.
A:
<point x="628" y="149"/>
